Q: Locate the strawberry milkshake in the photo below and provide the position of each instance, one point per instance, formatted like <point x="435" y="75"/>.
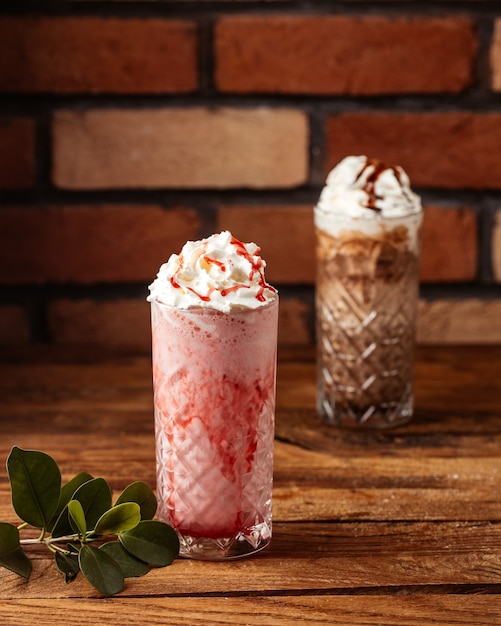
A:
<point x="214" y="331"/>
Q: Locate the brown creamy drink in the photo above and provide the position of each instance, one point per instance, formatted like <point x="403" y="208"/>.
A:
<point x="367" y="224"/>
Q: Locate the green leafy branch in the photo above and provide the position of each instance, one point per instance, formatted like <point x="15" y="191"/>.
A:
<point x="73" y="517"/>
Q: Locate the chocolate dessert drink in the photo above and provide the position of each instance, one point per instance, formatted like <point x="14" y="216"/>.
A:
<point x="367" y="224"/>
<point x="214" y="328"/>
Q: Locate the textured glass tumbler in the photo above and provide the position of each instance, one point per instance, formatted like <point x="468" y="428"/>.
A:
<point x="214" y="377"/>
<point x="366" y="306"/>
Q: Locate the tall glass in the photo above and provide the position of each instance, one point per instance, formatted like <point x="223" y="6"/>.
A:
<point x="214" y="378"/>
<point x="366" y="306"/>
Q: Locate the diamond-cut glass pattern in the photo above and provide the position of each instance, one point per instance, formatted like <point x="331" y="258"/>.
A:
<point x="365" y="329"/>
<point x="219" y="508"/>
<point x="214" y="378"/>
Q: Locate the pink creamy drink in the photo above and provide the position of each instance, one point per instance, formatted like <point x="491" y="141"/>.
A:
<point x="214" y="327"/>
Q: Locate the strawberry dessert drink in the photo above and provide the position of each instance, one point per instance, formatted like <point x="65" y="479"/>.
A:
<point x="214" y="329"/>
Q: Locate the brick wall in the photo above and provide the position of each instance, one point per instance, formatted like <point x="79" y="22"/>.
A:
<point x="127" y="128"/>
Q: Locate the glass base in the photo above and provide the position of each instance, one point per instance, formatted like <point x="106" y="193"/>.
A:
<point x="376" y="416"/>
<point x="243" y="544"/>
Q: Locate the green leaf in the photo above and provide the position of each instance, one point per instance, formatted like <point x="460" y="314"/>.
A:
<point x="11" y="554"/>
<point x="152" y="541"/>
<point x="68" y="565"/>
<point x="67" y="492"/>
<point x="130" y="566"/>
<point x="141" y="493"/>
<point x="101" y="570"/>
<point x="62" y="525"/>
<point x="9" y="538"/>
<point x="35" y="481"/>
<point x="118" y="519"/>
<point x="95" y="498"/>
<point x="77" y="515"/>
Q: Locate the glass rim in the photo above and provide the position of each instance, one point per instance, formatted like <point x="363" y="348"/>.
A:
<point x="209" y="310"/>
<point x="376" y="218"/>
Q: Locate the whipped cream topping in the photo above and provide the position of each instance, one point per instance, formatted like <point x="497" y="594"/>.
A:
<point x="361" y="187"/>
<point x="219" y="272"/>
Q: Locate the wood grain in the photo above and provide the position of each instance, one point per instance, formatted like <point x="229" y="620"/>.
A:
<point x="408" y="610"/>
<point x="310" y="557"/>
<point x="394" y="527"/>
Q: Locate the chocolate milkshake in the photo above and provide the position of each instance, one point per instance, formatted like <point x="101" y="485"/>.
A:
<point x="367" y="224"/>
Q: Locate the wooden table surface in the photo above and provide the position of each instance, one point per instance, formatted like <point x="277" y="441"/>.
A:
<point x="400" y="527"/>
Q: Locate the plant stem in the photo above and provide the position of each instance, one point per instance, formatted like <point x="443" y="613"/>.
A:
<point x="55" y="548"/>
<point x="49" y="541"/>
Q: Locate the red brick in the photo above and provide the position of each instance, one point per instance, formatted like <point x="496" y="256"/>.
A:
<point x="14" y="326"/>
<point x="84" y="244"/>
<point x="91" y="54"/>
<point x="124" y="325"/>
<point x="115" y="325"/>
<point x="452" y="150"/>
<point x="496" y="247"/>
<point x="17" y="153"/>
<point x="495" y="56"/>
<point x="294" y="327"/>
<point x="355" y="55"/>
<point x="176" y="148"/>
<point x="285" y="235"/>
<point x="449" y="245"/>
<point x="454" y="322"/>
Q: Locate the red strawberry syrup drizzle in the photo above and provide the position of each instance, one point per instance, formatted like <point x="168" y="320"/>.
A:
<point x="242" y="404"/>
<point x="256" y="264"/>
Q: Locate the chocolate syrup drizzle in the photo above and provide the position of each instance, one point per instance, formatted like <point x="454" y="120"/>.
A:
<point x="370" y="186"/>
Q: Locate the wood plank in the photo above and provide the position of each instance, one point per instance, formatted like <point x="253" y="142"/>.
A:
<point x="382" y="527"/>
<point x="121" y="384"/>
<point x="455" y="433"/>
<point x="307" y="557"/>
<point x="317" y="503"/>
<point x="348" y="479"/>
<point x="407" y="610"/>
<point x="462" y="376"/>
<point x="311" y="485"/>
<point x="431" y="433"/>
<point x="308" y="485"/>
